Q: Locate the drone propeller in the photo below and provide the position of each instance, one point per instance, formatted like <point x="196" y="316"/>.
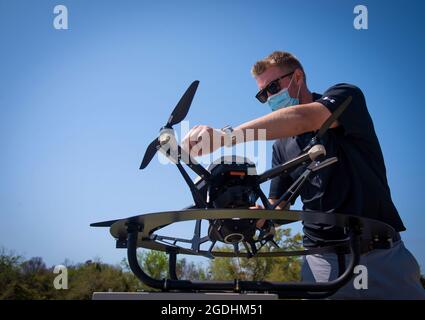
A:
<point x="178" y="114"/>
<point x="182" y="108"/>
<point x="150" y="152"/>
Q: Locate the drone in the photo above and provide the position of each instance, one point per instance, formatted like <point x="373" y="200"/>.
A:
<point x="222" y="195"/>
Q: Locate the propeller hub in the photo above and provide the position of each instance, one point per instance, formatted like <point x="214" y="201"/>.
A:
<point x="178" y="114"/>
<point x="165" y="136"/>
<point x="316" y="151"/>
<point x="164" y="139"/>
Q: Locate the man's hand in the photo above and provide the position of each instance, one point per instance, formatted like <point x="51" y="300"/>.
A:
<point x="260" y="222"/>
<point x="201" y="140"/>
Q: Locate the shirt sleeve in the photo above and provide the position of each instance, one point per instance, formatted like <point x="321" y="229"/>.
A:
<point x="280" y="183"/>
<point x="355" y="119"/>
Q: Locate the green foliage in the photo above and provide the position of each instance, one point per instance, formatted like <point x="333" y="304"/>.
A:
<point x="155" y="263"/>
<point x="31" y="279"/>
<point x="255" y="269"/>
<point x="9" y="272"/>
<point x="191" y="271"/>
<point x="21" y="279"/>
<point x="96" y="276"/>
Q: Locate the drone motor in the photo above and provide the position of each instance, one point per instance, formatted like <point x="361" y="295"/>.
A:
<point x="232" y="231"/>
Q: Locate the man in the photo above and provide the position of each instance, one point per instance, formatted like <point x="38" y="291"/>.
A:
<point x="356" y="184"/>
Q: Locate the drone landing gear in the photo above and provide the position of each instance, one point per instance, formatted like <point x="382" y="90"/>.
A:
<point x="172" y="264"/>
<point x="284" y="290"/>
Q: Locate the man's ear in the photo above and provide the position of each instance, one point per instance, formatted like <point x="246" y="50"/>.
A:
<point x="299" y="76"/>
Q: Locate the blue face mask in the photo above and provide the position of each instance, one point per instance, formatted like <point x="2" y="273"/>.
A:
<point x="282" y="99"/>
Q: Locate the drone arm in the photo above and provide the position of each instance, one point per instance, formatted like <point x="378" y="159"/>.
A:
<point x="310" y="155"/>
<point x="196" y="240"/>
<point x="192" y="164"/>
<point x="197" y="197"/>
<point x="292" y="191"/>
<point x="172" y="150"/>
<point x="263" y="198"/>
<point x="168" y="146"/>
<point x="328" y="123"/>
<point x="314" y="149"/>
<point x="281" y="169"/>
<point x="295" y="188"/>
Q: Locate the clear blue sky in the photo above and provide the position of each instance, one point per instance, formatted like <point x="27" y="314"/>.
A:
<point x="78" y="107"/>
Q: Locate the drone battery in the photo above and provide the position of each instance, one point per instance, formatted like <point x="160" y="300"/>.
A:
<point x="231" y="185"/>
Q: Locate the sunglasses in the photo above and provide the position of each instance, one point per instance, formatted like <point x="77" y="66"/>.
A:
<point x="273" y="87"/>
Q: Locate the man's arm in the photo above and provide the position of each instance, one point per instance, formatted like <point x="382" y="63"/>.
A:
<point x="280" y="206"/>
<point x="287" y="122"/>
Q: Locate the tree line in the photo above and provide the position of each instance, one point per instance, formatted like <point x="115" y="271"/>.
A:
<point x="22" y="278"/>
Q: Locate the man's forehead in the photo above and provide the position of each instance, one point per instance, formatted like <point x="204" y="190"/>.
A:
<point x="269" y="75"/>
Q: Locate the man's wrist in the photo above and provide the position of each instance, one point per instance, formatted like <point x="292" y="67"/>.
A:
<point x="228" y="137"/>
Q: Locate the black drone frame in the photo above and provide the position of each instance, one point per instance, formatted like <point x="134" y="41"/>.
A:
<point x="139" y="231"/>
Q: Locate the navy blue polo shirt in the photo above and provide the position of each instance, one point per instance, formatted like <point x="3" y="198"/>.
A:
<point x="356" y="184"/>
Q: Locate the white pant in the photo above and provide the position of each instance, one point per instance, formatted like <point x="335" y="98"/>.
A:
<point x="391" y="274"/>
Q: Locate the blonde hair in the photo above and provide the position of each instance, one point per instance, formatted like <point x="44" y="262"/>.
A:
<point x="282" y="59"/>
